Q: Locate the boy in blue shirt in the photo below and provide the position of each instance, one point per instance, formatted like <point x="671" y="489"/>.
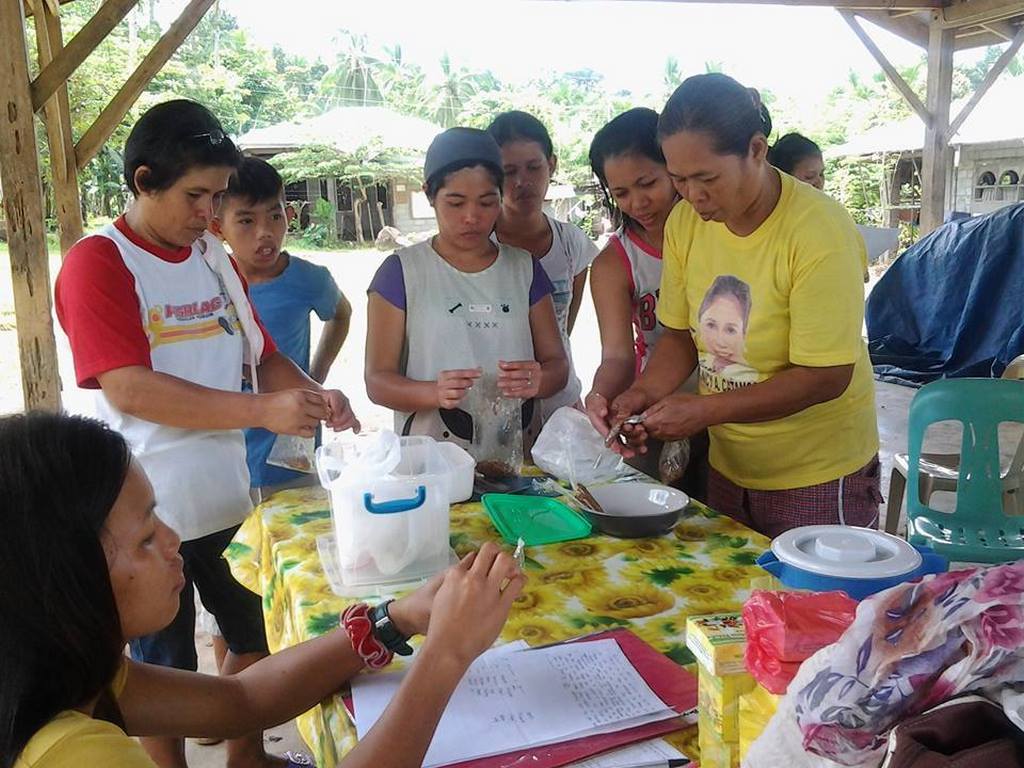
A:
<point x="253" y="221"/>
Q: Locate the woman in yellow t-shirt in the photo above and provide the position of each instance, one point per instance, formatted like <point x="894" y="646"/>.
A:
<point x="86" y="564"/>
<point x="760" y="293"/>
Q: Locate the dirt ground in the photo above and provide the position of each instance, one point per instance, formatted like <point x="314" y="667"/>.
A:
<point x="353" y="270"/>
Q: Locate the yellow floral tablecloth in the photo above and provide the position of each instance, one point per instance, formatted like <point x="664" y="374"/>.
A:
<point x="648" y="585"/>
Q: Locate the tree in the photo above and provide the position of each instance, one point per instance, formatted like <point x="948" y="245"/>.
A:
<point x="244" y="85"/>
<point x="976" y="73"/>
<point x="403" y="83"/>
<point x="370" y="164"/>
<point x="458" y="85"/>
<point x="672" y="76"/>
<point x="352" y="81"/>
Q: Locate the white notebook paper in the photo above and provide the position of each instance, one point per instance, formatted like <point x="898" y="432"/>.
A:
<point x="644" y="752"/>
<point x="511" y="701"/>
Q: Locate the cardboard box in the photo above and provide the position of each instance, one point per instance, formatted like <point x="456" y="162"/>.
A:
<point x="718" y="700"/>
<point x="718" y="641"/>
<point x="714" y="751"/>
<point x="756" y="708"/>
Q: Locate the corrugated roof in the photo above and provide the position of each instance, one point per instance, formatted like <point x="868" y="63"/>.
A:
<point x="347" y="129"/>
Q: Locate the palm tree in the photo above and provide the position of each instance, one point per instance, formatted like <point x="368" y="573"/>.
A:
<point x="457" y="86"/>
<point x="401" y="82"/>
<point x="352" y="80"/>
<point x="672" y="75"/>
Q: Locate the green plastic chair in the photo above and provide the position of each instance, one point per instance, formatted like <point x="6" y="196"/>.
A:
<point x="978" y="531"/>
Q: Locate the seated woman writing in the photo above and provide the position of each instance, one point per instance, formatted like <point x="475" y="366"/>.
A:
<point x="87" y="565"/>
<point x="459" y="311"/>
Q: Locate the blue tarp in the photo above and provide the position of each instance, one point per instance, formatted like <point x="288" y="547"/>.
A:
<point x="953" y="304"/>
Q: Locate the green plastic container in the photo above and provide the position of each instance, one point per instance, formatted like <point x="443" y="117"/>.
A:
<point x="535" y="519"/>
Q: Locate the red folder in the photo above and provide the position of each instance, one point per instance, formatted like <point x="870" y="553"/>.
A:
<point x="670" y="682"/>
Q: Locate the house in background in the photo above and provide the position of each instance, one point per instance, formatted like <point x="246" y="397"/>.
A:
<point x="988" y="156"/>
<point x="394" y="201"/>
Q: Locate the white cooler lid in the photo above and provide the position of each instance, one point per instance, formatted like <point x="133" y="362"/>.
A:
<point x="846" y="552"/>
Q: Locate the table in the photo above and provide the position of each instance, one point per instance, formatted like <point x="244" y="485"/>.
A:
<point x="649" y="585"/>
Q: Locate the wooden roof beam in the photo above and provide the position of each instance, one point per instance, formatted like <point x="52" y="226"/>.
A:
<point x="909" y="27"/>
<point x="890" y="71"/>
<point x="30" y="9"/>
<point x="1004" y="29"/>
<point x="859" y="5"/>
<point x="993" y="74"/>
<point x="853" y="5"/>
<point x="977" y="39"/>
<point x="162" y="51"/>
<point x="95" y="31"/>
<point x="963" y="13"/>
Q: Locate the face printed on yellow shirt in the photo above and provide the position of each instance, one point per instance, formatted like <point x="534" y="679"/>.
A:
<point x="722" y="333"/>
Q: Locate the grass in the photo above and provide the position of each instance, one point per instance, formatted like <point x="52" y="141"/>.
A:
<point x="301" y="245"/>
<point x="52" y="244"/>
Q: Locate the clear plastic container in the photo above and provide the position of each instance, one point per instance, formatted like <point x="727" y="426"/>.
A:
<point x="389" y="502"/>
<point x="461" y="471"/>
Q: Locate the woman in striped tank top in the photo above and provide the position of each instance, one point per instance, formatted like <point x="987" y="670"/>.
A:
<point x="625" y="278"/>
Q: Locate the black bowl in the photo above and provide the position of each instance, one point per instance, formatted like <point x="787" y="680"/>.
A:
<point x="636" y="510"/>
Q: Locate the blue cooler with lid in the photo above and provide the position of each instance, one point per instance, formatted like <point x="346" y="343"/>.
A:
<point x="857" y="561"/>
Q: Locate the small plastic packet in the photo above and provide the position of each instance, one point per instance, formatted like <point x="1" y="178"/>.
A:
<point x="675" y="457"/>
<point x="295" y="453"/>
<point x="497" y="444"/>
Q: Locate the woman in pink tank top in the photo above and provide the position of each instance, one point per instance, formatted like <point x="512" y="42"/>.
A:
<point x="625" y="278"/>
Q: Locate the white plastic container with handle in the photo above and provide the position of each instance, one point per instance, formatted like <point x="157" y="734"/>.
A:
<point x="389" y="502"/>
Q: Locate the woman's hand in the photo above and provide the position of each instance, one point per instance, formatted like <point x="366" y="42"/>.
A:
<point x="630" y="403"/>
<point x="411" y="614"/>
<point x="472" y="603"/>
<point x="339" y="411"/>
<point x="676" y="416"/>
<point x="519" y="378"/>
<point x="596" y="406"/>
<point x="453" y="385"/>
<point x="293" y="411"/>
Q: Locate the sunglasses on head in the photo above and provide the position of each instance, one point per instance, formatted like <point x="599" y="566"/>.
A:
<point x="216" y="137"/>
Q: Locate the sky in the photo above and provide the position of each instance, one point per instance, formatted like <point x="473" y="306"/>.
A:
<point x="798" y="53"/>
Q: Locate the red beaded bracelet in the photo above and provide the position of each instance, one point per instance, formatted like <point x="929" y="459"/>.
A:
<point x="356" y="620"/>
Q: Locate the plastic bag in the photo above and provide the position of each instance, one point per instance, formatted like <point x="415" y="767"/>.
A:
<point x="295" y="453"/>
<point x="497" y="444"/>
<point x="570" y="449"/>
<point x="675" y="456"/>
<point x="784" y="629"/>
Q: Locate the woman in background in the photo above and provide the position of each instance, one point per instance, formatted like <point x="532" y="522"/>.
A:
<point x="528" y="161"/>
<point x="800" y="157"/>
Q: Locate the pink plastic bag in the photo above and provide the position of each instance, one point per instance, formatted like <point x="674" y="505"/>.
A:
<point x="786" y="628"/>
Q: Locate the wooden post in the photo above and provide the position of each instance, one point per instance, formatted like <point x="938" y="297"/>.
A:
<point x="118" y="107"/>
<point x="937" y="157"/>
<point x="57" y="116"/>
<point x="23" y="205"/>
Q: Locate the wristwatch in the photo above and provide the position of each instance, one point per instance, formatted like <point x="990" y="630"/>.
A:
<point x="386" y="632"/>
